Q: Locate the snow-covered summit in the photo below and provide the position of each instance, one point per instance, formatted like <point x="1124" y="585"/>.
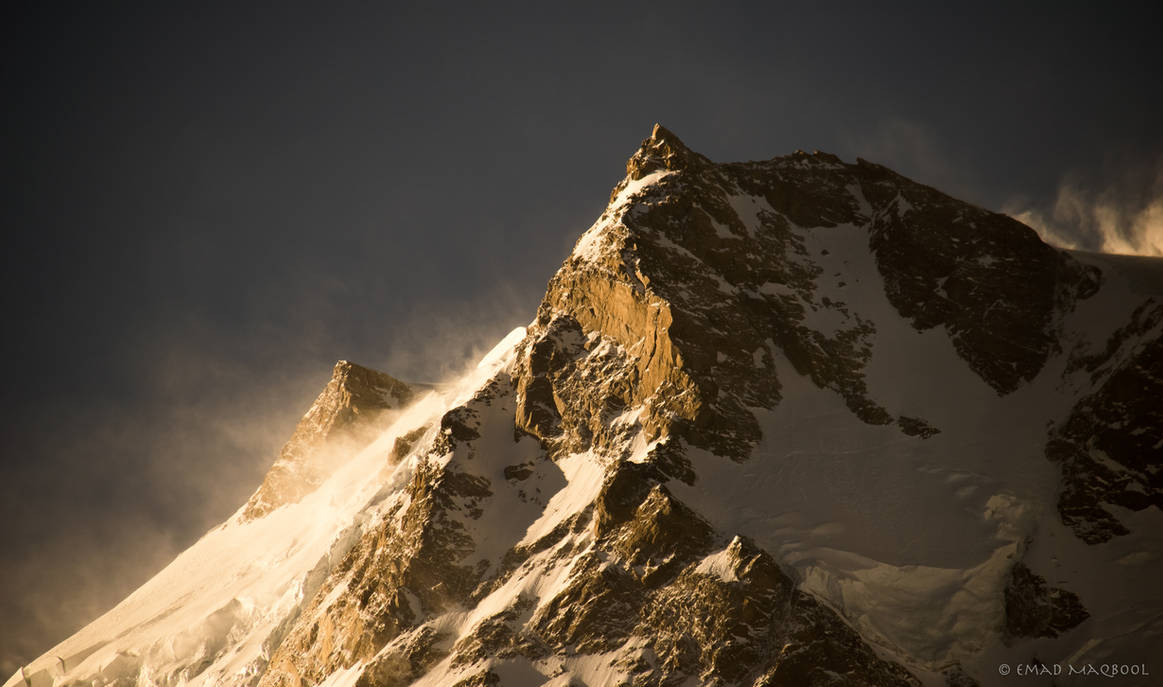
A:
<point x="785" y="422"/>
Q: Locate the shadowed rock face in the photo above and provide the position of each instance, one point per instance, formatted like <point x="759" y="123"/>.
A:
<point x="702" y="303"/>
<point x="1035" y="609"/>
<point x="1110" y="448"/>
<point x="343" y="418"/>
<point x="986" y="277"/>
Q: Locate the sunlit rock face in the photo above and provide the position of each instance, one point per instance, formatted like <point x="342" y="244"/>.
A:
<point x="787" y="422"/>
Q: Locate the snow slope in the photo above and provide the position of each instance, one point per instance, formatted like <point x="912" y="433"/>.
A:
<point x="211" y="615"/>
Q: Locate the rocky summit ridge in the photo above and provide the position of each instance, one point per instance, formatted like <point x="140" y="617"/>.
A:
<point x="347" y="414"/>
<point x="783" y="422"/>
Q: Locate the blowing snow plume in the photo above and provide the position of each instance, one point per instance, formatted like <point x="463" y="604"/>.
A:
<point x="1124" y="217"/>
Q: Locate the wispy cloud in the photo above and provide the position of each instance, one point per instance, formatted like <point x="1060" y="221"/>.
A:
<point x="913" y="149"/>
<point x="1123" y="215"/>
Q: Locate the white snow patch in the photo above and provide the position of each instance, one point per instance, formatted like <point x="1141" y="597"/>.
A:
<point x="858" y="193"/>
<point x="719" y="565"/>
<point x="595" y="240"/>
<point x="345" y="677"/>
<point x="584" y="473"/>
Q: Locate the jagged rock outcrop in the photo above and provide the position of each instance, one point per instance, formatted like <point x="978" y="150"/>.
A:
<point x="347" y="414"/>
<point x="641" y="567"/>
<point x="1110" y="448"/>
<point x="995" y="286"/>
<point x="703" y="291"/>
<point x="1035" y="609"/>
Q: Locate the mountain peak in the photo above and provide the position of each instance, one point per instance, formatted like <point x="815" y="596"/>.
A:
<point x="661" y="133"/>
<point x="663" y="150"/>
<point x="771" y="417"/>
<point x="345" y="415"/>
<point x="368" y="387"/>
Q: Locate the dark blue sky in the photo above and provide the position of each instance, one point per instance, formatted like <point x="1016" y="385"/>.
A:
<point x="204" y="208"/>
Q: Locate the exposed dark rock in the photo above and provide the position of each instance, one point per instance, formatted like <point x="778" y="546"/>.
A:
<point x="404" y="444"/>
<point x="1035" y="609"/>
<point x="663" y="151"/>
<point x="623" y="491"/>
<point x="1110" y="448"/>
<point x="988" y="279"/>
<point x="755" y="628"/>
<point x="518" y="472"/>
<point x="957" y="677"/>
<point x="403" y="660"/>
<point x="916" y="427"/>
